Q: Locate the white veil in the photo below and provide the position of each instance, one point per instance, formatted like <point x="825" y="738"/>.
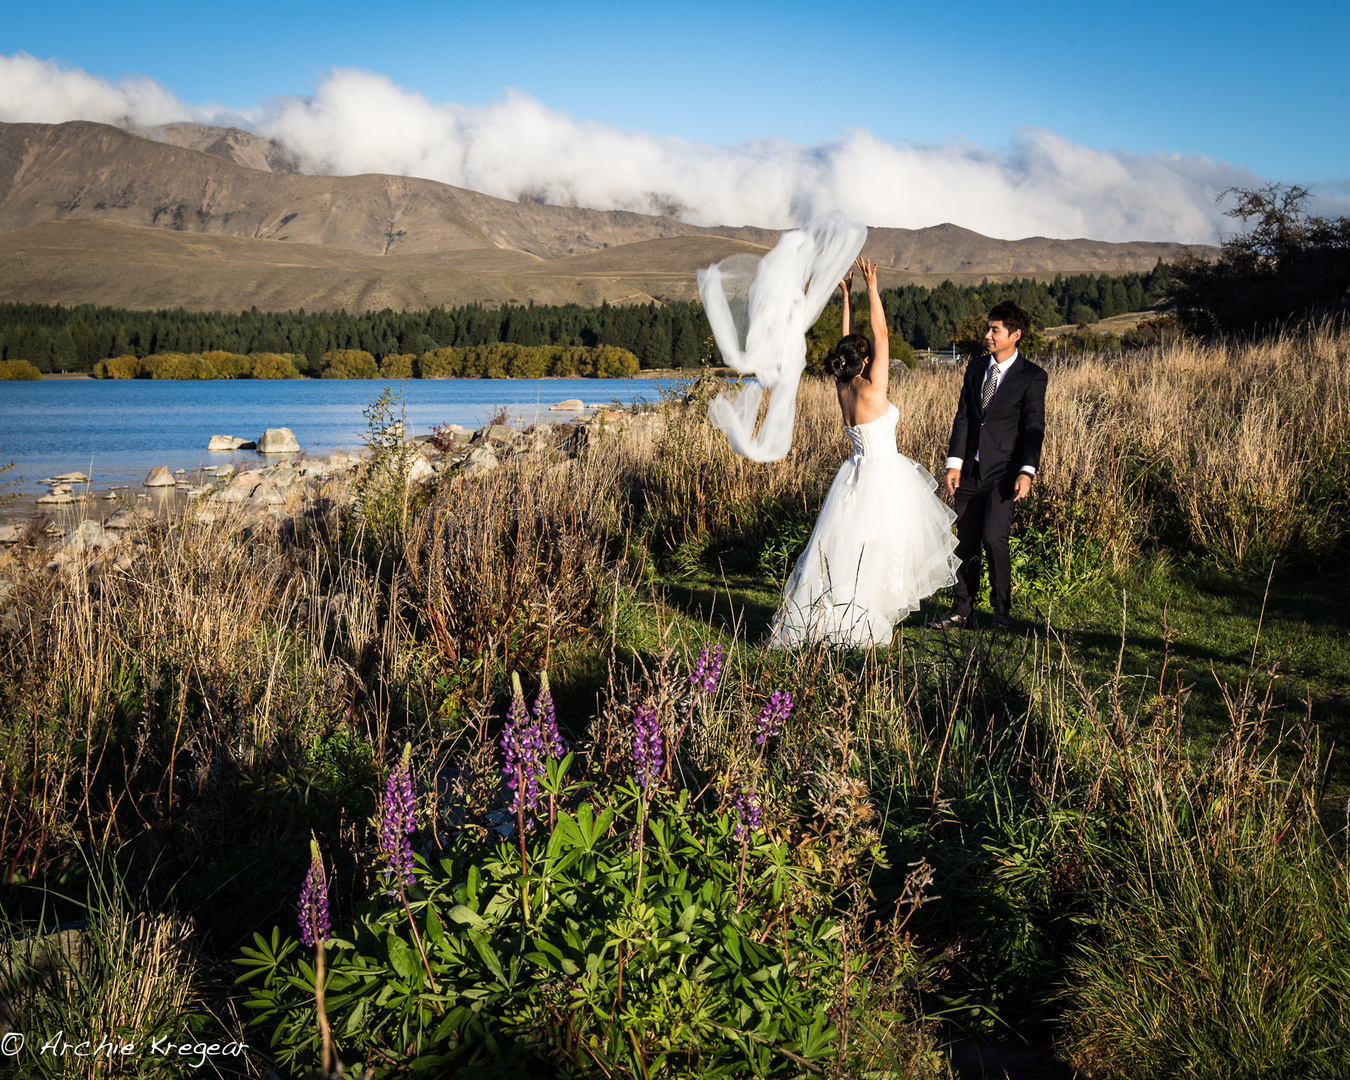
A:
<point x="760" y="311"/>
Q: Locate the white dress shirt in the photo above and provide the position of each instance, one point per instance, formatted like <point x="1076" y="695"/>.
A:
<point x="1002" y="370"/>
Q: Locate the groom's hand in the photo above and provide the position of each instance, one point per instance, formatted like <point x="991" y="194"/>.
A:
<point x="1021" y="487"/>
<point x="953" y="480"/>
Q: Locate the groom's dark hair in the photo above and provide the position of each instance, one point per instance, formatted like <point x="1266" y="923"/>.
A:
<point x="1011" y="316"/>
<point x="847" y="359"/>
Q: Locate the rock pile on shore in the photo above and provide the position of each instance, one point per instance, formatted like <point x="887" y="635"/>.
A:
<point x="281" y="493"/>
<point x="278" y="496"/>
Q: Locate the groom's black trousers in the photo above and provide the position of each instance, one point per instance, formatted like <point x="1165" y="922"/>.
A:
<point x="984" y="513"/>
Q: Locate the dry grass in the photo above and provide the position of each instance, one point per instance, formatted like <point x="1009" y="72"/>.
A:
<point x="228" y="648"/>
<point x="134" y="693"/>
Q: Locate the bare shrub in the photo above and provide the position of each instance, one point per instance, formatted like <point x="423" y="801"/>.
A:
<point x="504" y="565"/>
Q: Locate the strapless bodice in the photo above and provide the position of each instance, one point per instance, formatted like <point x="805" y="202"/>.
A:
<point x="876" y="437"/>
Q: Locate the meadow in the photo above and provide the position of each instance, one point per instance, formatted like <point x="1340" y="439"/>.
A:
<point x="557" y="811"/>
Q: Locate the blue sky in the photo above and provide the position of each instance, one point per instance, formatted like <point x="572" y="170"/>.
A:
<point x="1239" y="84"/>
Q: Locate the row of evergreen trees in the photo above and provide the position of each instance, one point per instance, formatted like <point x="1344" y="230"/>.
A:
<point x="670" y="335"/>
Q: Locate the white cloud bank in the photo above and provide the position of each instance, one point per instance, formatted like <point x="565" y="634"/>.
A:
<point x="362" y="122"/>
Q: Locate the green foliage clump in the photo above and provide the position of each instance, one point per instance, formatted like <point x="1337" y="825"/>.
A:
<point x="1289" y="266"/>
<point x="508" y="361"/>
<point x="349" y="364"/>
<point x="18" y="369"/>
<point x="271" y="366"/>
<point x="121" y="367"/>
<point x="215" y="364"/>
<point x="1082" y="340"/>
<point x="397" y="366"/>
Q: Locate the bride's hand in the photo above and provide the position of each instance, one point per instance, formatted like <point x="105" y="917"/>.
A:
<point x="869" y="270"/>
<point x="846" y="284"/>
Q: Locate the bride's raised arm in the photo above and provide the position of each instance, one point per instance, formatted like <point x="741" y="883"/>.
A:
<point x="846" y="287"/>
<point x="879" y="367"/>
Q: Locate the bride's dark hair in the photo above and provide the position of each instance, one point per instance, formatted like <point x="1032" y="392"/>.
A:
<point x="847" y="359"/>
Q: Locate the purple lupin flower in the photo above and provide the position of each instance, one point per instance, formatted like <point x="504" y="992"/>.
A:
<point x="397" y="813"/>
<point x="769" y="722"/>
<point x="707" y="669"/>
<point x="547" y="719"/>
<point x="746" y="804"/>
<point x="522" y="752"/>
<point x="649" y="754"/>
<point x="314" y="924"/>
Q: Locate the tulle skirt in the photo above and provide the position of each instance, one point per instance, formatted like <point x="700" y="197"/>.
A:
<point x="883" y="542"/>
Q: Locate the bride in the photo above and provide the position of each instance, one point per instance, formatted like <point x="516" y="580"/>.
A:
<point x="883" y="539"/>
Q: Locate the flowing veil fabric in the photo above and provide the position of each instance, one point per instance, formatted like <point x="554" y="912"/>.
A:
<point x="760" y="311"/>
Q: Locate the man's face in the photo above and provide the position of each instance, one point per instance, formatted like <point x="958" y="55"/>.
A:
<point x="998" y="341"/>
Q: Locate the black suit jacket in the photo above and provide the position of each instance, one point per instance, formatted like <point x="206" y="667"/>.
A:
<point x="1010" y="434"/>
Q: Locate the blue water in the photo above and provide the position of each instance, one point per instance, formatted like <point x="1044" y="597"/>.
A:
<point x="116" y="431"/>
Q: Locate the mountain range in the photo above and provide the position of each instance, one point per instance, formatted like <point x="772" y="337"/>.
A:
<point x="206" y="218"/>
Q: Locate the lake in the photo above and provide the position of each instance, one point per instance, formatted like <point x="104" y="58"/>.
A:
<point x="117" y="430"/>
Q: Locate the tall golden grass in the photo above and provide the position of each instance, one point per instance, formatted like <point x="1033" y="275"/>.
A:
<point x="1226" y="443"/>
<point x="130" y="691"/>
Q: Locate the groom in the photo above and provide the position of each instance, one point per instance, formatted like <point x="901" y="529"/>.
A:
<point x="991" y="460"/>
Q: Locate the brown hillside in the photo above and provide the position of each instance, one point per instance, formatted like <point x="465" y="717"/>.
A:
<point x="211" y="218"/>
<point x="104" y="262"/>
<point x="240" y="147"/>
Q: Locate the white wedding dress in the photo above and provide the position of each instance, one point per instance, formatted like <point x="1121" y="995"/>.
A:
<point x="883" y="541"/>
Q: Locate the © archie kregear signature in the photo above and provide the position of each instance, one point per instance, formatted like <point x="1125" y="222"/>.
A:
<point x="59" y="1045"/>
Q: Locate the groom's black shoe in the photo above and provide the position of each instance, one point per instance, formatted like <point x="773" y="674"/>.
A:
<point x="1002" y="621"/>
<point x="953" y="620"/>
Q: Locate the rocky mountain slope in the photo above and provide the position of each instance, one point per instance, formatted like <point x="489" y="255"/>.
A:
<point x="215" y="217"/>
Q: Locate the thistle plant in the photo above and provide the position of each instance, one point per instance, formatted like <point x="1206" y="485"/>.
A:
<point x="314" y="930"/>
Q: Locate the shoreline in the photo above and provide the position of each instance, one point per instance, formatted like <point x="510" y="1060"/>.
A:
<point x="646" y="373"/>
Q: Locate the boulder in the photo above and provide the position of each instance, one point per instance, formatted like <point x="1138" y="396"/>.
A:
<point x="70" y="478"/>
<point x="12" y="534"/>
<point x="238" y="489"/>
<point x="570" y="405"/>
<point x="278" y="441"/>
<point x="480" y="459"/>
<point x="229" y="442"/>
<point x="89" y="536"/>
<point x="266" y="494"/>
<point x="420" y="470"/>
<point x="455" y="433"/>
<point x="127" y="518"/>
<point x="56" y="499"/>
<point x="498" y="433"/>
<point x="159" y="477"/>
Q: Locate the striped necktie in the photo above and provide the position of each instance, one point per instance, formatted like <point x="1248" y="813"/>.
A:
<point x="990" y="385"/>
